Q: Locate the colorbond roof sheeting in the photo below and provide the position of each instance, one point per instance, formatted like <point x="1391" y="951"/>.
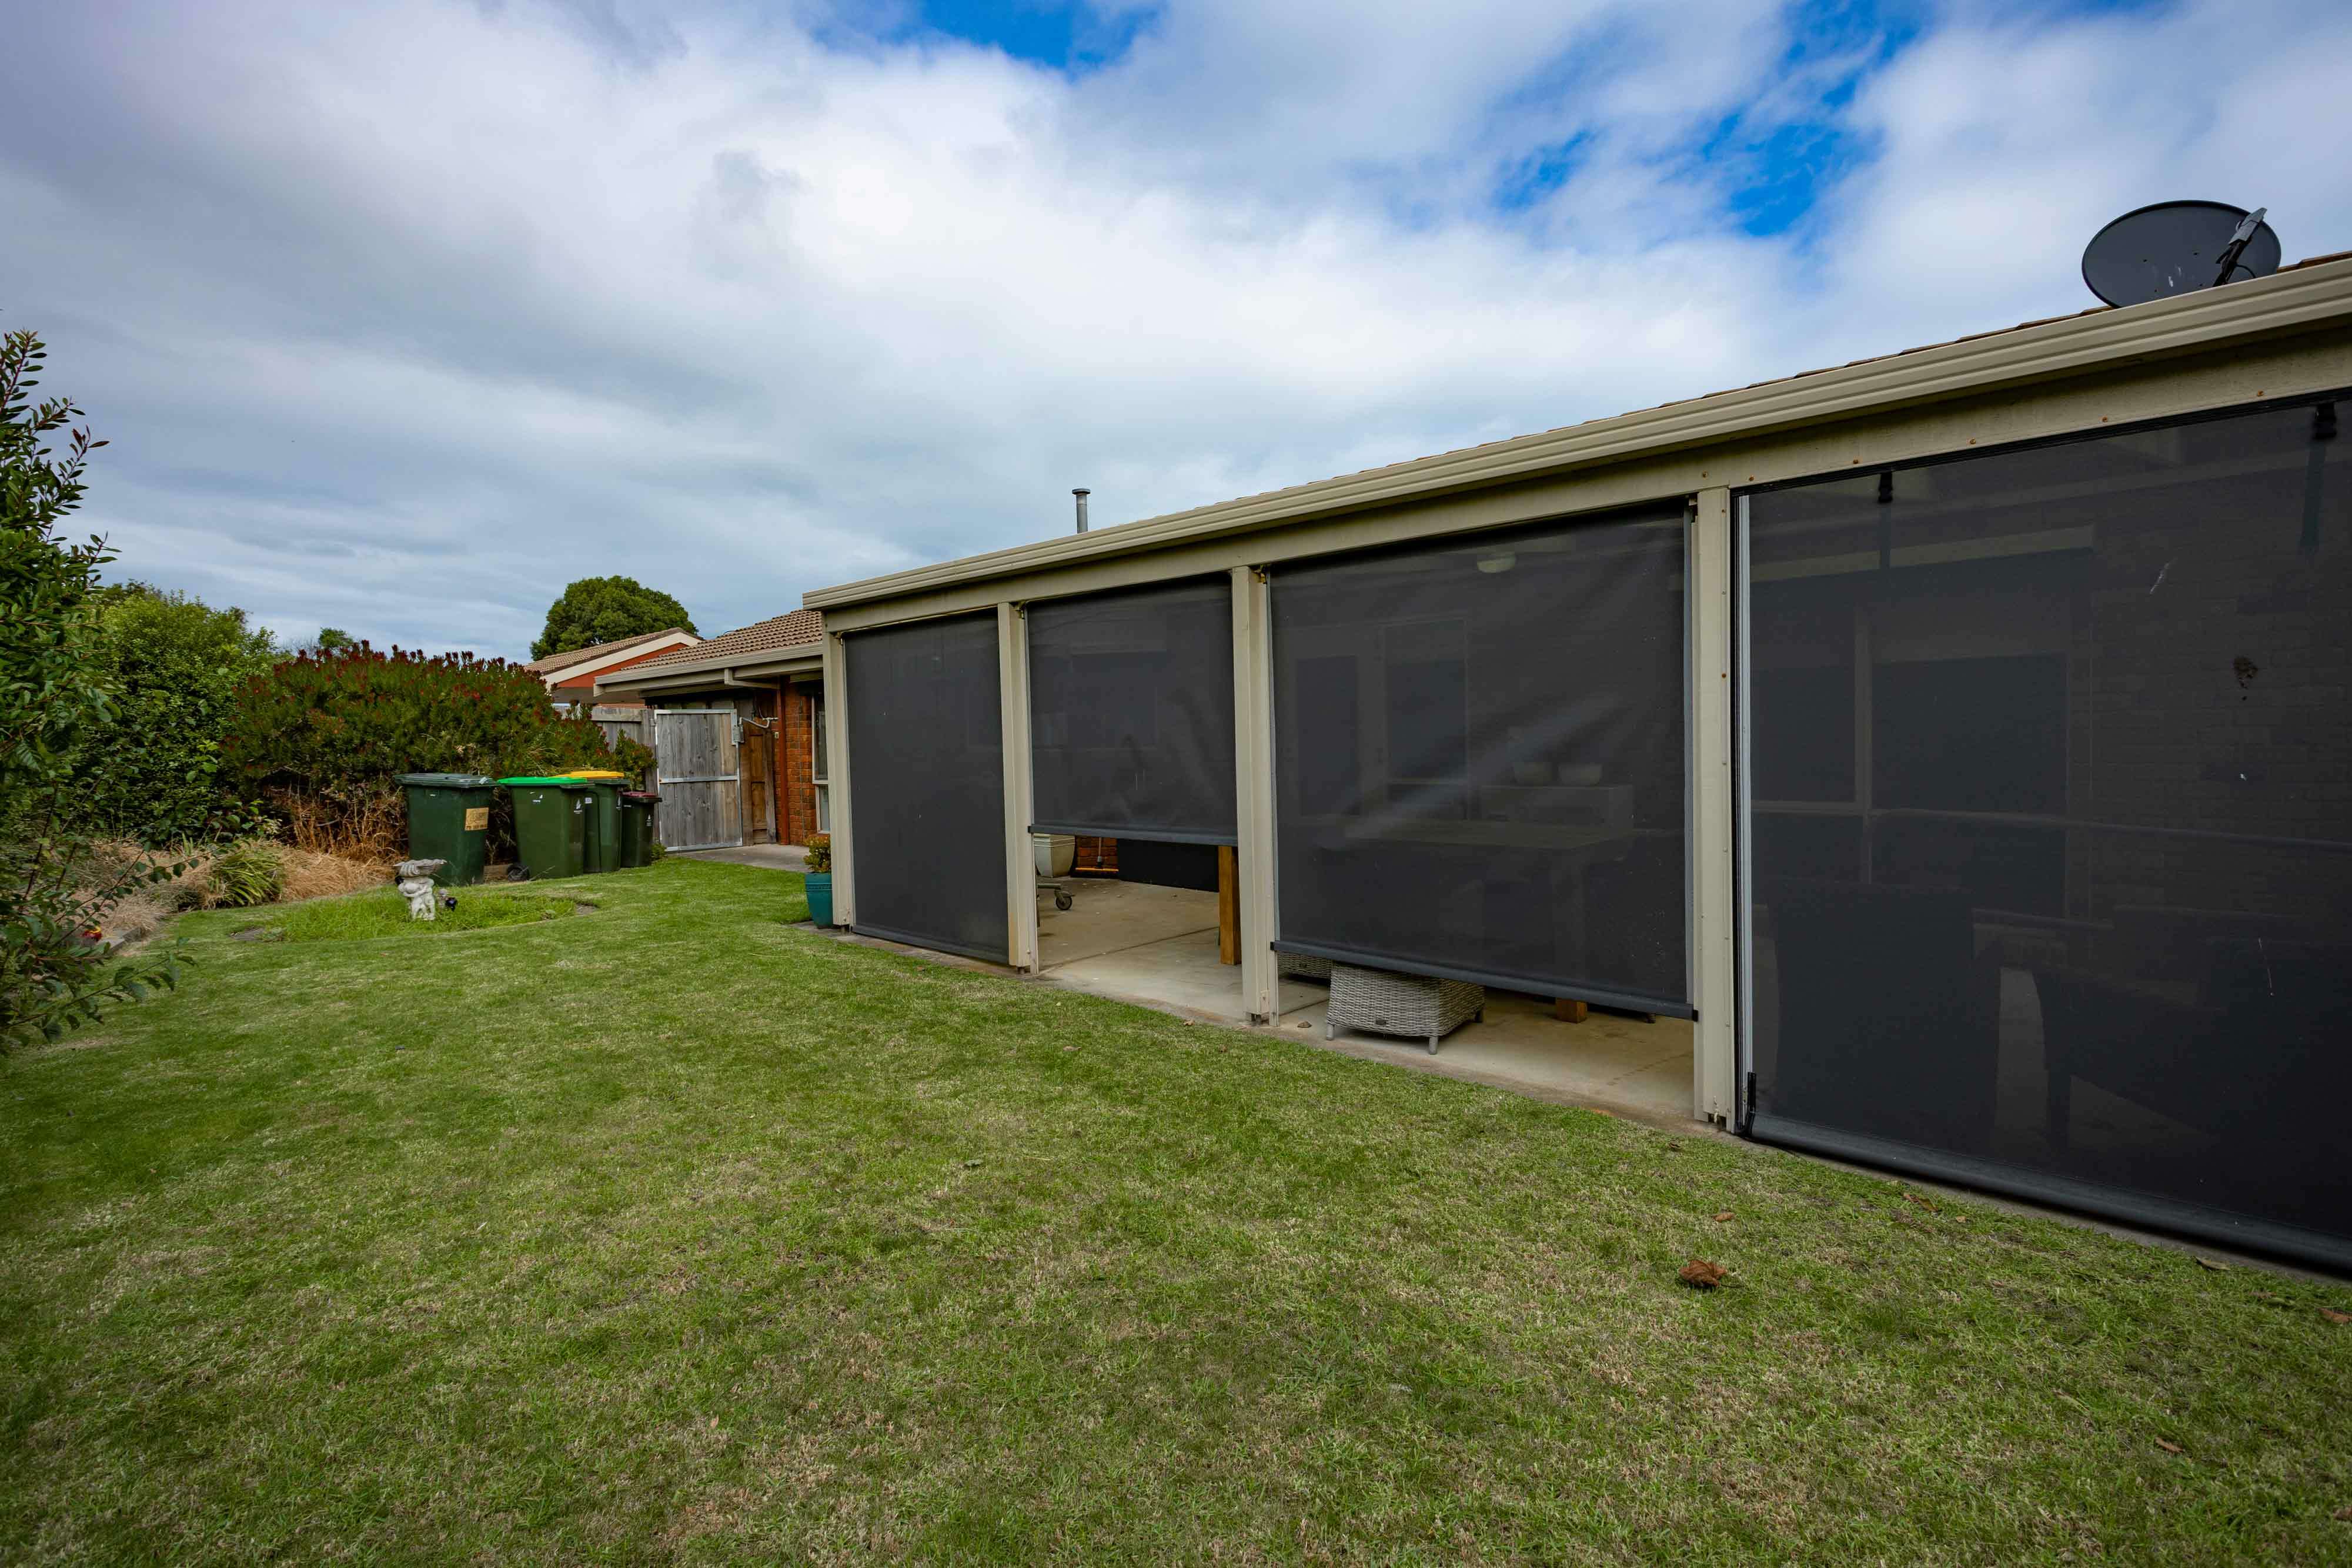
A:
<point x="2312" y="294"/>
<point x="1131" y="713"/>
<point x="1479" y="759"/>
<point x="926" y="750"/>
<point x="2053" y="822"/>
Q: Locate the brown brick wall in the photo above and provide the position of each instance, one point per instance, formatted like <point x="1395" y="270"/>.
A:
<point x="796" y="795"/>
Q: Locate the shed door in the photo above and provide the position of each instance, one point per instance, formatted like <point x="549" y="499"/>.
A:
<point x="695" y="767"/>
<point x="927" y="762"/>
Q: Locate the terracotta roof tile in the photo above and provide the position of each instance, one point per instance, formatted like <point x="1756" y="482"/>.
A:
<point x="789" y="630"/>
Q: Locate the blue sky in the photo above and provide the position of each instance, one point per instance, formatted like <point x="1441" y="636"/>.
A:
<point x="400" y="313"/>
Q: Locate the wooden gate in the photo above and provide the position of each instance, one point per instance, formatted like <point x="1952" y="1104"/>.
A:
<point x="695" y="764"/>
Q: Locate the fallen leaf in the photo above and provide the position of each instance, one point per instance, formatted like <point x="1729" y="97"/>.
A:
<point x="2168" y="1448"/>
<point x="2345" y="1514"/>
<point x="2218" y="1267"/>
<point x="2333" y="1316"/>
<point x="1701" y="1275"/>
<point x="1725" y="1215"/>
<point x="1923" y="1203"/>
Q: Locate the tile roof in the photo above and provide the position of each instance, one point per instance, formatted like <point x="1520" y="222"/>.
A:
<point x="791" y="630"/>
<point x="555" y="662"/>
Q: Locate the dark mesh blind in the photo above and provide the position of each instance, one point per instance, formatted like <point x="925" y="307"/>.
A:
<point x="925" y="758"/>
<point x="1131" y="713"/>
<point x="2051" y="821"/>
<point x="1479" y="759"/>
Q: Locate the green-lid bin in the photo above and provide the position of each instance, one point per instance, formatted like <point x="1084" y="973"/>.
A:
<point x="602" y="850"/>
<point x="449" y="820"/>
<point x="552" y="823"/>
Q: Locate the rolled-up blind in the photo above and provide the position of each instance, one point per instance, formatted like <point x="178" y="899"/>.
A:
<point x="926" y="757"/>
<point x="1479" y="749"/>
<point x="1131" y="713"/>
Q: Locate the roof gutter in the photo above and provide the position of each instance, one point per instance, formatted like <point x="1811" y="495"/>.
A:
<point x="2285" y="302"/>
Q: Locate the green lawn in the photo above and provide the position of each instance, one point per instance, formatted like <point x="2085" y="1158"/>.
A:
<point x="663" y="1230"/>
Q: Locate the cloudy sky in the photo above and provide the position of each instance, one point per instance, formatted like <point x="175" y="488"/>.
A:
<point x="401" y="316"/>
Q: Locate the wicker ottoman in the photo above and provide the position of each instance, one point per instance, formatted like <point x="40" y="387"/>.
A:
<point x="1299" y="966"/>
<point x="1415" y="1006"/>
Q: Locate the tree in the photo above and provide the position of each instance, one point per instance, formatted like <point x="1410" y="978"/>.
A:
<point x="334" y="639"/>
<point x="54" y="697"/>
<point x="152" y="773"/>
<point x="605" y="609"/>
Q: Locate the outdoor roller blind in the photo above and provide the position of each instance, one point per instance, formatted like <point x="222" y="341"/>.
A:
<point x="1479" y="759"/>
<point x="925" y="758"/>
<point x="1131" y="713"/>
<point x="2050" y="823"/>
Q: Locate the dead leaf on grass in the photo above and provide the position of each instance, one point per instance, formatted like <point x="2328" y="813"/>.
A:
<point x="1701" y="1275"/>
<point x="1724" y="1216"/>
<point x="2219" y="1268"/>
<point x="2168" y="1448"/>
<point x="2333" y="1316"/>
<point x="2345" y="1514"/>
<point x="1927" y="1204"/>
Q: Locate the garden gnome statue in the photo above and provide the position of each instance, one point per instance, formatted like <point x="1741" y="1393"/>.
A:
<point x="416" y="884"/>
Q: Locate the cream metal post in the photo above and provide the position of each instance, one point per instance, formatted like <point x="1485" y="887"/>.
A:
<point x="1253" y="791"/>
<point x="1714" y="929"/>
<point x="836" y="764"/>
<point x="1020" y="868"/>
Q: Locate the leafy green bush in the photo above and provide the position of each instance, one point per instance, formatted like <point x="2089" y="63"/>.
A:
<point x="245" y="873"/>
<point x="56" y="886"/>
<point x="153" y="772"/>
<point x="325" y="734"/>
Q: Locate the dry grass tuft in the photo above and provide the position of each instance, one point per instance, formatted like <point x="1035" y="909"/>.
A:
<point x="310" y="874"/>
<point x="362" y="824"/>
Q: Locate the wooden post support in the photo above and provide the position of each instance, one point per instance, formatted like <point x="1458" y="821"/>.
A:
<point x="1568" y="1009"/>
<point x="1228" y="905"/>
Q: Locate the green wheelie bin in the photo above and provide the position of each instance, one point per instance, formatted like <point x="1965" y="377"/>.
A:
<point x="552" y="817"/>
<point x="603" y="848"/>
<point x="449" y="822"/>
<point x="637" y="826"/>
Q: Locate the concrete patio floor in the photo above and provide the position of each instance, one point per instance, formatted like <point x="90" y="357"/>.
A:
<point x="1132" y="942"/>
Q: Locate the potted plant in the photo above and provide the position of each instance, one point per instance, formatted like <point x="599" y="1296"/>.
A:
<point x="819" y="880"/>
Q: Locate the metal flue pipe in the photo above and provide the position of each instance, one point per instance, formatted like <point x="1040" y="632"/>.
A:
<point x="1082" y="493"/>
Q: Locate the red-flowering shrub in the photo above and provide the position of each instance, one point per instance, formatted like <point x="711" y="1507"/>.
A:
<point x="323" y="735"/>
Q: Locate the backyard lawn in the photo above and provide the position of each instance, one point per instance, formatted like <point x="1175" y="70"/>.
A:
<point x="661" y="1229"/>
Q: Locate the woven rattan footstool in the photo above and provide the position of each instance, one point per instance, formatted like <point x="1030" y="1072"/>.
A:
<point x="1416" y="1006"/>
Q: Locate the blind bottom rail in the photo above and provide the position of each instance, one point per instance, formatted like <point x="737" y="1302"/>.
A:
<point x="1534" y="985"/>
<point x="2220" y="1227"/>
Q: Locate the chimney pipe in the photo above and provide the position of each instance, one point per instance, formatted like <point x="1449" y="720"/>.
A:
<point x="1082" y="493"/>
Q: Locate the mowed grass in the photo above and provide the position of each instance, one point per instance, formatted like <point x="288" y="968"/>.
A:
<point x="385" y="914"/>
<point x="667" y="1232"/>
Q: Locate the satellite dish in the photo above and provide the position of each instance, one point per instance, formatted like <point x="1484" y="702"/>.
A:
<point x="2178" y="248"/>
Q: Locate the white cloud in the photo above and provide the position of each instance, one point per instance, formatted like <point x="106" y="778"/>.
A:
<point x="403" y="315"/>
